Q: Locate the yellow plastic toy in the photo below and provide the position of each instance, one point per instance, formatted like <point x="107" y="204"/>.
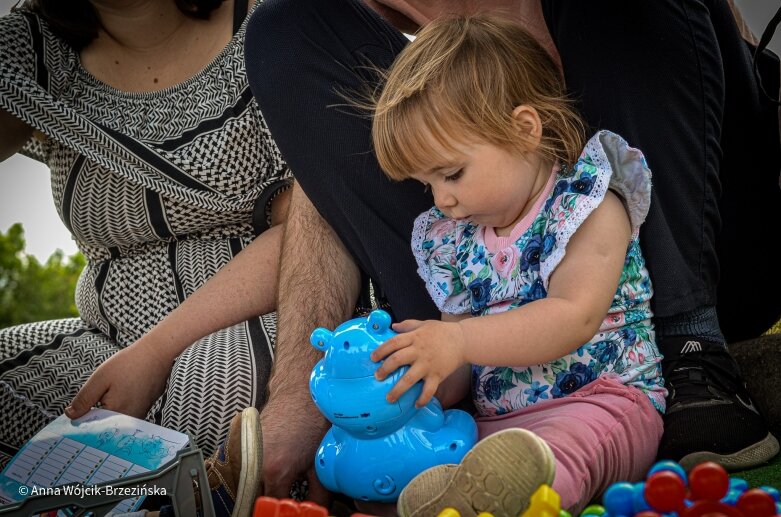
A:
<point x="545" y="502"/>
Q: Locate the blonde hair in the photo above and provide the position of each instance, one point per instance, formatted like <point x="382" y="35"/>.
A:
<point x="459" y="81"/>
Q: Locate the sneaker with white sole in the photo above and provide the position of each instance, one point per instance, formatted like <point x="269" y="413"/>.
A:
<point x="710" y="415"/>
<point x="499" y="476"/>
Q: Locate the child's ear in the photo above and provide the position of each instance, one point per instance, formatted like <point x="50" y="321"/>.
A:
<point x="529" y="125"/>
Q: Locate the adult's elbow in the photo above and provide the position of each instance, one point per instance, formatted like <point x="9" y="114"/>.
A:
<point x="13" y="134"/>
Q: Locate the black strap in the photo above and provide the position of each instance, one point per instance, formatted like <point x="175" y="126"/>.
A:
<point x="262" y="209"/>
<point x="239" y="13"/>
<point x="763" y="41"/>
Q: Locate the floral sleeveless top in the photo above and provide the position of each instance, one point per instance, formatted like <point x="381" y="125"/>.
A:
<point x="464" y="275"/>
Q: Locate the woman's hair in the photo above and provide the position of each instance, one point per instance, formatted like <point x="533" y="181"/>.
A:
<point x="77" y="22"/>
<point x="459" y="82"/>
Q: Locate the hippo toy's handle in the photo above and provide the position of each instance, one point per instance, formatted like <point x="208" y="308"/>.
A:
<point x="379" y="321"/>
<point x="320" y="338"/>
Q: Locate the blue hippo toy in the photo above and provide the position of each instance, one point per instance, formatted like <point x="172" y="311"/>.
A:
<point x="374" y="448"/>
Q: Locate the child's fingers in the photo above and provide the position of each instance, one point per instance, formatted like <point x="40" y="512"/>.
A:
<point x="429" y="389"/>
<point x="407" y="325"/>
<point x="402" y="385"/>
<point x="393" y="362"/>
<point x="390" y="346"/>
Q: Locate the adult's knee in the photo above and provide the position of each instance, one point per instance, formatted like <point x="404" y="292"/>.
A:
<point x="275" y="34"/>
<point x="266" y="41"/>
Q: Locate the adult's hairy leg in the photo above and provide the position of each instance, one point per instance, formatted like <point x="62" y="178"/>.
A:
<point x="318" y="286"/>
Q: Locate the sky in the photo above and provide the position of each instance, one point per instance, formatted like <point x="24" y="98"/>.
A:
<point x="25" y="191"/>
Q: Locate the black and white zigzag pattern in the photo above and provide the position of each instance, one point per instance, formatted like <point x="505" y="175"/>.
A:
<point x="158" y="191"/>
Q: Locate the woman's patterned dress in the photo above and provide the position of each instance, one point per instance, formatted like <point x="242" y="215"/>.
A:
<point x="159" y="190"/>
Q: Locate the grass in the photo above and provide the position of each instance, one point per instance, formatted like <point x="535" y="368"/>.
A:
<point x="770" y="473"/>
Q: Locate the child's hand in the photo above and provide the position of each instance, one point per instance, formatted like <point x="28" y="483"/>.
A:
<point x="433" y="350"/>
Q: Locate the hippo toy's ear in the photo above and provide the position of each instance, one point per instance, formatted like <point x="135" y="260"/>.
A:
<point x="320" y="338"/>
<point x="379" y="321"/>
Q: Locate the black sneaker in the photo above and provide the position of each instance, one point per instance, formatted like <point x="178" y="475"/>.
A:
<point x="710" y="415"/>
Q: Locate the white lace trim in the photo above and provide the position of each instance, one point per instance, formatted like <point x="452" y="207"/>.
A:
<point x="419" y="232"/>
<point x="630" y="178"/>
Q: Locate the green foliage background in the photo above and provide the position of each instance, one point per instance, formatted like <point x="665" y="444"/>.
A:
<point x="34" y="291"/>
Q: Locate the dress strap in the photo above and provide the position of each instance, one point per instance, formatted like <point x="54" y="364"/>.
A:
<point x="239" y="13"/>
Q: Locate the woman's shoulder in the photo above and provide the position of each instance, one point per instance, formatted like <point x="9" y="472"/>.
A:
<point x="29" y="48"/>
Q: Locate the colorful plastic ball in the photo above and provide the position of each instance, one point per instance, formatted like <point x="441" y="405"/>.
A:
<point x="639" y="504"/>
<point x="670" y="465"/>
<point x="773" y="492"/>
<point x="665" y="491"/>
<point x="738" y="484"/>
<point x="594" y="509"/>
<point x="732" y="497"/>
<point x="708" y="482"/>
<point x="648" y="513"/>
<point x="757" y="503"/>
<point x="618" y="499"/>
<point x="708" y="508"/>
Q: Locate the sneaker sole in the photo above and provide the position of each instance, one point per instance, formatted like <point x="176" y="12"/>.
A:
<point x="251" y="462"/>
<point x="751" y="456"/>
<point x="498" y="475"/>
<point x="418" y="491"/>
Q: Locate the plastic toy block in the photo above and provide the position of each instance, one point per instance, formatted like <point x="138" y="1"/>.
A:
<point x="288" y="508"/>
<point x="272" y="507"/>
<point x="545" y="502"/>
<point x="310" y="509"/>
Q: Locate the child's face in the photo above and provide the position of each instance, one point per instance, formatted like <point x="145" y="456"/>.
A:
<point x="486" y="183"/>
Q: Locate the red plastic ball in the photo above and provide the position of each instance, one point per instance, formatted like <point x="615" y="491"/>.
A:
<point x="665" y="491"/>
<point x="757" y="503"/>
<point x="648" y="513"/>
<point x="706" y="508"/>
<point x="708" y="482"/>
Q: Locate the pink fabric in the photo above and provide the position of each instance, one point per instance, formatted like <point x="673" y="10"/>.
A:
<point x="603" y="433"/>
<point x="494" y="243"/>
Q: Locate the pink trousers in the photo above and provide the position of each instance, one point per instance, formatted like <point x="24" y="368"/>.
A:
<point x="603" y="433"/>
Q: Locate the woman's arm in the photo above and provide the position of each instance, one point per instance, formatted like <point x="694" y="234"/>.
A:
<point x="13" y="134"/>
<point x="580" y="292"/>
<point x="243" y="288"/>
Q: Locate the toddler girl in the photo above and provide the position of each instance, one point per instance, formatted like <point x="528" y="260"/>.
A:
<point x="532" y="255"/>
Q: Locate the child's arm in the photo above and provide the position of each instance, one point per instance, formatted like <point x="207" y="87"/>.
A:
<point x="457" y="385"/>
<point x="579" y="296"/>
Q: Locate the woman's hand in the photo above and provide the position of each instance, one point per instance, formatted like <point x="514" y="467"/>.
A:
<point x="128" y="382"/>
<point x="432" y="349"/>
